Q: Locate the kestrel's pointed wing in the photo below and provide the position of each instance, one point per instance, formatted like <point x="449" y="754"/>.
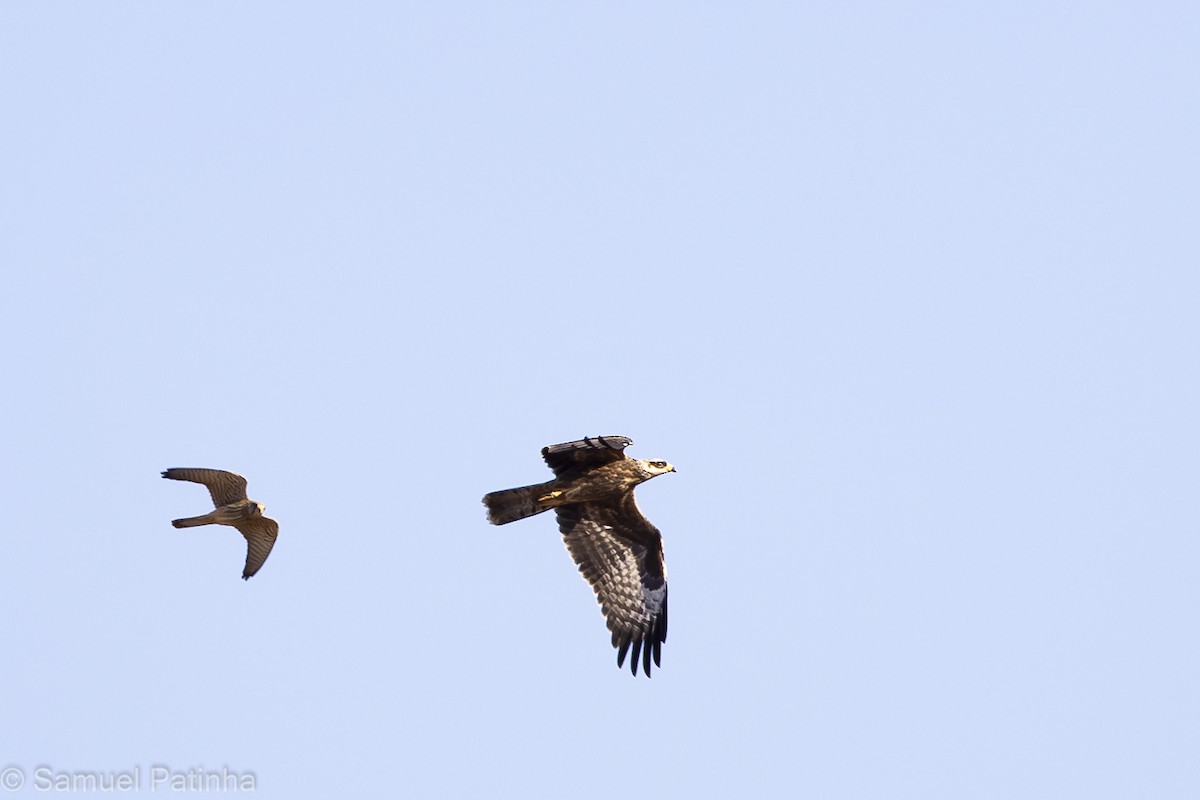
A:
<point x="260" y="533"/>
<point x="620" y="554"/>
<point x="585" y="453"/>
<point x="224" y="487"/>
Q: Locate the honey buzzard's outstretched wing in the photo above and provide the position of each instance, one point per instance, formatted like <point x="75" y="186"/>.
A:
<point x="620" y="554"/>
<point x="224" y="487"/>
<point x="585" y="453"/>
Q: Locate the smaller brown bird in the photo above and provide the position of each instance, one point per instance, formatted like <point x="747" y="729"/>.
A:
<point x="228" y="492"/>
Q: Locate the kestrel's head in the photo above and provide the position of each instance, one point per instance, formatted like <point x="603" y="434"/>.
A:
<point x="654" y="468"/>
<point x="262" y="509"/>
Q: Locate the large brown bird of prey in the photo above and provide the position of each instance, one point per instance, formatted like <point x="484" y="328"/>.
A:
<point x="617" y="549"/>
<point x="228" y="492"/>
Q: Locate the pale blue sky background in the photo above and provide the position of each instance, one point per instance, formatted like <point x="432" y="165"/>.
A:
<point x="907" y="292"/>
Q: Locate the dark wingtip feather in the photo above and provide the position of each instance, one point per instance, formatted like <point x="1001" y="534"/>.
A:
<point x="622" y="651"/>
<point x="636" y="657"/>
<point x="589" y="443"/>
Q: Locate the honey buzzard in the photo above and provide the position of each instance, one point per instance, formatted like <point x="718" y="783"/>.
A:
<point x="618" y="551"/>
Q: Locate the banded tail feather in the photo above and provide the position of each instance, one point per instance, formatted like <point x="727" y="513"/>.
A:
<point x="510" y="505"/>
<point x="192" y="522"/>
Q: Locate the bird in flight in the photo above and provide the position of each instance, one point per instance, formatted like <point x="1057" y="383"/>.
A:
<point x="228" y="491"/>
<point x="617" y="550"/>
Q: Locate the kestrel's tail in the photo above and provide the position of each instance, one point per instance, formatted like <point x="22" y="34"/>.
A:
<point x="510" y="505"/>
<point x="191" y="522"/>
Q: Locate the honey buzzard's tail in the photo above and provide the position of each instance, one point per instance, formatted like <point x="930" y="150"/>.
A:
<point x="510" y="505"/>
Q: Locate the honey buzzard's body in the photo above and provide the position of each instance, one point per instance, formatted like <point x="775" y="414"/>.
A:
<point x="617" y="550"/>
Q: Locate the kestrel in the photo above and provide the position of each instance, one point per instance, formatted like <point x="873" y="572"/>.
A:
<point x="228" y="492"/>
<point x="616" y="548"/>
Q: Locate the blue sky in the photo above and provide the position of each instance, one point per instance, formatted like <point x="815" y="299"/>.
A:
<point x="907" y="292"/>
